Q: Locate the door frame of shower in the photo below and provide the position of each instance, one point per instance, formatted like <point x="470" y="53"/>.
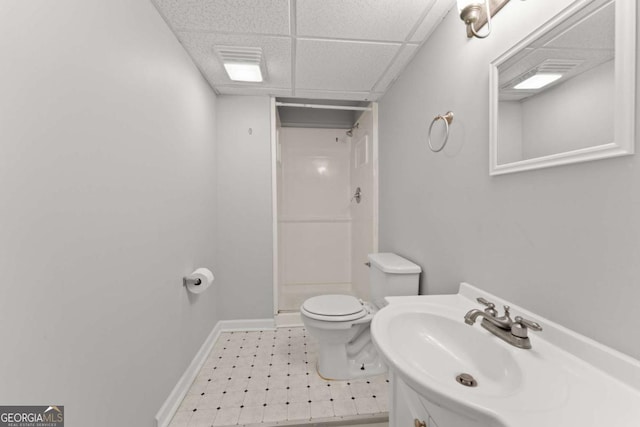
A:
<point x="274" y="192"/>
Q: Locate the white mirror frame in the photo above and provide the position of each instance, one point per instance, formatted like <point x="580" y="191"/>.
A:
<point x="624" y="100"/>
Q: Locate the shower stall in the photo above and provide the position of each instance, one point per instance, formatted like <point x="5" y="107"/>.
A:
<point x="325" y="200"/>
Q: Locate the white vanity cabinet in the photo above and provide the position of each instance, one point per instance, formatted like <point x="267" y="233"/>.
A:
<point x="408" y="409"/>
<point x="405" y="409"/>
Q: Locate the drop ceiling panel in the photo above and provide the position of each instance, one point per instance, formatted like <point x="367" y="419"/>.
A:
<point x="248" y="90"/>
<point x="326" y="49"/>
<point x="583" y="29"/>
<point x="228" y="16"/>
<point x="398" y="65"/>
<point x="595" y="32"/>
<point x="276" y="50"/>
<point x="359" y="19"/>
<point x="180" y="14"/>
<point x="341" y="65"/>
<point x="437" y="12"/>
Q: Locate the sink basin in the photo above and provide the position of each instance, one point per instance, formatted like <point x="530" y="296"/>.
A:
<point x="565" y="380"/>
<point x="424" y="340"/>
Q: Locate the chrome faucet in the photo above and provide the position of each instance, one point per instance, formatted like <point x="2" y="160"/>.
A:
<point x="513" y="331"/>
<point x="490" y="314"/>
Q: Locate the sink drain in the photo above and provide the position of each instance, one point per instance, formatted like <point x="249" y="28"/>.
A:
<point x="466" y="380"/>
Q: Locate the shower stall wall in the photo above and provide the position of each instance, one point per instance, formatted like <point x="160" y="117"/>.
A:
<point x="324" y="233"/>
<point x="314" y="221"/>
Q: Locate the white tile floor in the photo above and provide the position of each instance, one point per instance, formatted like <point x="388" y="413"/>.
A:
<point x="269" y="377"/>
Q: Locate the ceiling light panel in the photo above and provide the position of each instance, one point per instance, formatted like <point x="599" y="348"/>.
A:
<point x="242" y="64"/>
<point x="538" y="81"/>
<point x="547" y="68"/>
<point x="276" y="51"/>
<point x="239" y="72"/>
<point x="532" y="59"/>
<point x="562" y="66"/>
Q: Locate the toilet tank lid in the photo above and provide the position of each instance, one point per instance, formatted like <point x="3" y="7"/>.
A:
<point x="392" y="263"/>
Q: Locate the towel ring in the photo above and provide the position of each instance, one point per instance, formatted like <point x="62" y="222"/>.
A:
<point x="447" y="119"/>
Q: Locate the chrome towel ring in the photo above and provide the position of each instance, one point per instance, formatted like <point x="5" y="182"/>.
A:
<point x="447" y="119"/>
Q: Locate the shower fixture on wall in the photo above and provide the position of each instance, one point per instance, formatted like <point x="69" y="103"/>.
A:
<point x="350" y="131"/>
<point x="357" y="195"/>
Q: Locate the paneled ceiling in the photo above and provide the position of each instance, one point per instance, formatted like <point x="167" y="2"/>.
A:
<point x="322" y="49"/>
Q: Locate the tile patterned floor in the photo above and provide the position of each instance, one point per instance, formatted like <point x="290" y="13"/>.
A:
<point x="268" y="377"/>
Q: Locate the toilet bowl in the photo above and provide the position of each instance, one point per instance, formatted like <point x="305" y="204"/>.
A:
<point x="340" y="323"/>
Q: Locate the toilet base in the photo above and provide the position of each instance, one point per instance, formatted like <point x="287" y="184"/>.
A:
<point x="354" y="372"/>
<point x="335" y="364"/>
<point x="345" y="349"/>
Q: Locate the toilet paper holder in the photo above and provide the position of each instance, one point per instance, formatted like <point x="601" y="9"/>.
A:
<point x="190" y="280"/>
<point x="198" y="281"/>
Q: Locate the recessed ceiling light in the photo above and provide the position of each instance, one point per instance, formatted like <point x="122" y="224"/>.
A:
<point x="242" y="64"/>
<point x="538" y="81"/>
<point x="243" y="72"/>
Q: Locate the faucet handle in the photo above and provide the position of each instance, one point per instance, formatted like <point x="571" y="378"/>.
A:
<point x="491" y="307"/>
<point x="485" y="302"/>
<point x="520" y="327"/>
<point x="534" y="326"/>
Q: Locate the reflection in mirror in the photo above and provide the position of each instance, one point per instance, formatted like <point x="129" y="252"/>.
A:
<point x="555" y="98"/>
<point x="539" y="119"/>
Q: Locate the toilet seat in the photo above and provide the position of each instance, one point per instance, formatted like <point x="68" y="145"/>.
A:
<point x="334" y="308"/>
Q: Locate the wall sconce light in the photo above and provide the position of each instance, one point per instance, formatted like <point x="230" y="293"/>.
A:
<point x="475" y="15"/>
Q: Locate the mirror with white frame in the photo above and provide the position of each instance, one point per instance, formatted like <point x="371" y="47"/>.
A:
<point x="566" y="93"/>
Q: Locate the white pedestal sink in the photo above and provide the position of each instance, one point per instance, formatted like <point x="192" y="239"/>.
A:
<point x="565" y="380"/>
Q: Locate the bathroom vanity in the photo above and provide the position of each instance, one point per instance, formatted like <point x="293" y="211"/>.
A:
<point x="447" y="373"/>
<point x="407" y="408"/>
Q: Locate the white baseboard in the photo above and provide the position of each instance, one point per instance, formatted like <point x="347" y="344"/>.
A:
<point x="374" y="420"/>
<point x="246" y="324"/>
<point x="170" y="406"/>
<point x="289" y="319"/>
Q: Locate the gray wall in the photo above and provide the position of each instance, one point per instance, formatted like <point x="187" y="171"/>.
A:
<point x="107" y="182"/>
<point x="563" y="242"/>
<point x="245" y="240"/>
<point x="554" y="121"/>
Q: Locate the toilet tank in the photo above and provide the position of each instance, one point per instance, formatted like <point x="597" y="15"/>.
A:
<point x="392" y="275"/>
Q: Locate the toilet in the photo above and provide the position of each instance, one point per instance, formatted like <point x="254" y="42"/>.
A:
<point x="340" y="323"/>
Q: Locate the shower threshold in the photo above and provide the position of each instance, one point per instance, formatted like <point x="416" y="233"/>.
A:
<point x="288" y="318"/>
